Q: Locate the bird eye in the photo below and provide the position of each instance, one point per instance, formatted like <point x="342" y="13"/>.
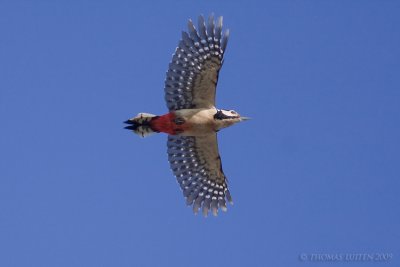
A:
<point x="233" y="112"/>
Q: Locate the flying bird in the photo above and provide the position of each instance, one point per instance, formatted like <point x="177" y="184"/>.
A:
<point x="193" y="120"/>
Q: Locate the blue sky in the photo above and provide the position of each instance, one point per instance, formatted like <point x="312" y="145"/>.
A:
<point x="316" y="170"/>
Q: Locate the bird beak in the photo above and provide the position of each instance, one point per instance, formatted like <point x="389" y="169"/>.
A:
<point x="244" y="118"/>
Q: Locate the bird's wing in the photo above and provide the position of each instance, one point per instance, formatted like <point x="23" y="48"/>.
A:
<point x="193" y="72"/>
<point x="197" y="166"/>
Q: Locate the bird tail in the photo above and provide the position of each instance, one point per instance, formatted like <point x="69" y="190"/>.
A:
<point x="140" y="124"/>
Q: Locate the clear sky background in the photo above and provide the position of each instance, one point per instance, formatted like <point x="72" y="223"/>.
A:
<point x="316" y="171"/>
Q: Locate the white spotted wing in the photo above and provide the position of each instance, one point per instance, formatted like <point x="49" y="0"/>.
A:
<point x="193" y="72"/>
<point x="197" y="166"/>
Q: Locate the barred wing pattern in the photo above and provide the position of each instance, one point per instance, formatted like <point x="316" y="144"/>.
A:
<point x="197" y="166"/>
<point x="193" y="72"/>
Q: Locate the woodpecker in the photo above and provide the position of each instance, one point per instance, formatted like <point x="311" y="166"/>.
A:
<point x="193" y="120"/>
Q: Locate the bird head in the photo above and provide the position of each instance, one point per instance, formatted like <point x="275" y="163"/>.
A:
<point x="227" y="118"/>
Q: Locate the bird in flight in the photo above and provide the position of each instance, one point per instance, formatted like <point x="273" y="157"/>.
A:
<point x="193" y="120"/>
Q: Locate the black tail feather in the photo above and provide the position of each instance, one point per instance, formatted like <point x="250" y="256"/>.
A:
<point x="140" y="124"/>
<point x="131" y="127"/>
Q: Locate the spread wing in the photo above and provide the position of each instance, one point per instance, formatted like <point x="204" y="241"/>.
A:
<point x="197" y="166"/>
<point x="193" y="72"/>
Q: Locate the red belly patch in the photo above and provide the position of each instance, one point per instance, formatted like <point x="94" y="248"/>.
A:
<point x="166" y="124"/>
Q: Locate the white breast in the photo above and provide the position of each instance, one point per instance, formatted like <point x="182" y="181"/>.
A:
<point x="200" y="121"/>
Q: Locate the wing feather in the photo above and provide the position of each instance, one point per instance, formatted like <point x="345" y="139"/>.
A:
<point x="193" y="33"/>
<point x="192" y="76"/>
<point x="202" y="29"/>
<point x="210" y="28"/>
<point x="218" y="30"/>
<point x="224" y="41"/>
<point x="197" y="166"/>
